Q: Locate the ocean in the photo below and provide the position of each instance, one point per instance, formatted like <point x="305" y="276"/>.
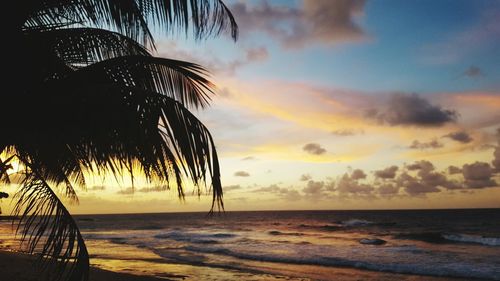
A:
<point x="295" y="245"/>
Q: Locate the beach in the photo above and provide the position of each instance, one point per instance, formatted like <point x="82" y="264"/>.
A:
<point x="16" y="266"/>
<point x="19" y="267"/>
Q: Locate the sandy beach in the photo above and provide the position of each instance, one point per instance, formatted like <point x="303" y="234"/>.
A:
<point x="19" y="267"/>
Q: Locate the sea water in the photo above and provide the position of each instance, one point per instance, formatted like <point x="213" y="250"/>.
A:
<point x="294" y="245"/>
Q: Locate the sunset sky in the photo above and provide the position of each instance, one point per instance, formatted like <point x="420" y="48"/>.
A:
<point x="344" y="105"/>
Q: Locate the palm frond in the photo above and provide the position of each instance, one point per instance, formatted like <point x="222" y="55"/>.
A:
<point x="130" y="17"/>
<point x="205" y="17"/>
<point x="84" y="46"/>
<point x="186" y="82"/>
<point x="47" y="228"/>
<point x="193" y="144"/>
<point x="4" y="166"/>
<point x="122" y="16"/>
<point x="109" y="126"/>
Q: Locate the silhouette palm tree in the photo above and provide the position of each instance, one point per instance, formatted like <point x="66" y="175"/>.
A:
<point x="84" y="94"/>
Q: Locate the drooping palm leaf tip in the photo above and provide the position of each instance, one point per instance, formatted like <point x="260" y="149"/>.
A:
<point x="84" y="94"/>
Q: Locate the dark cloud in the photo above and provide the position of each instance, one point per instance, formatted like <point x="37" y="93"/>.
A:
<point x="387" y="173"/>
<point x="460" y="136"/>
<point x="305" y="177"/>
<point x="314" y="22"/>
<point x="452" y="170"/>
<point x="358" y="174"/>
<point x="350" y="184"/>
<point x="347" y="132"/>
<point x="478" y="175"/>
<point x="414" y="186"/>
<point x="314" y="148"/>
<point x="248" y="158"/>
<point x="388" y="189"/>
<point x="421" y="165"/>
<point x="241" y="174"/>
<point x="433" y="144"/>
<point x="473" y="72"/>
<point x="411" y="110"/>
<point x="314" y="189"/>
<point x="417" y="188"/>
<point x="231" y="187"/>
<point x="426" y="180"/>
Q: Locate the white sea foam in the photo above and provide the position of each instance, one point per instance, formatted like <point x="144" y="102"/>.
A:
<point x="467" y="238"/>
<point x="356" y="222"/>
<point x="419" y="266"/>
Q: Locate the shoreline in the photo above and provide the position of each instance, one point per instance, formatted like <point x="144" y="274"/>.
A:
<point x="18" y="266"/>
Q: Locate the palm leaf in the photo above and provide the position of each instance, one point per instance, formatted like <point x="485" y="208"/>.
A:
<point x="48" y="229"/>
<point x="205" y="17"/>
<point x="84" y="46"/>
<point x="180" y="80"/>
<point x="120" y="15"/>
<point x="129" y="17"/>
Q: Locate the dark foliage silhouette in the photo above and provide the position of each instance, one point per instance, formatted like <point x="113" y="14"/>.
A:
<point x="84" y="94"/>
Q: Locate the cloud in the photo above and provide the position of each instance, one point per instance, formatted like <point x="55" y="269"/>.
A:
<point x="305" y="177"/>
<point x="170" y="49"/>
<point x="453" y="170"/>
<point x="388" y="189"/>
<point x="257" y="54"/>
<point x="460" y="136"/>
<point x="323" y="22"/>
<point x="314" y="148"/>
<point x="287" y="194"/>
<point x="473" y="72"/>
<point x="421" y="165"/>
<point x="433" y="144"/>
<point x="314" y="189"/>
<point x="231" y="187"/>
<point x="496" y="161"/>
<point x="131" y="190"/>
<point x="496" y="154"/>
<point x="411" y="110"/>
<point x="478" y="175"/>
<point x="350" y="184"/>
<point x="358" y="174"/>
<point x="156" y="188"/>
<point x="126" y="191"/>
<point x="241" y="174"/>
<point x="248" y="158"/>
<point x="427" y="180"/>
<point x="415" y="187"/>
<point x="387" y="173"/>
<point x="347" y="132"/>
<point x="96" y="188"/>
